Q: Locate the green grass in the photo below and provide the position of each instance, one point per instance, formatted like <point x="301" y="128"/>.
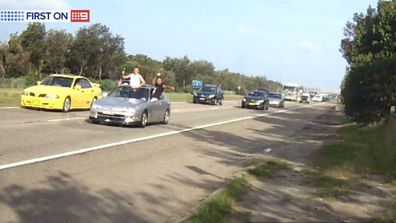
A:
<point x="369" y="149"/>
<point x="361" y="150"/>
<point x="329" y="187"/>
<point x="10" y="96"/>
<point x="268" y="169"/>
<point x="219" y="207"/>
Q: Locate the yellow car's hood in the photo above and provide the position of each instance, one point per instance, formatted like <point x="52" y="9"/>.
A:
<point x="49" y="90"/>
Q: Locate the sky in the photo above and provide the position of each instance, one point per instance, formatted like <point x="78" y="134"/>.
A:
<point x="284" y="40"/>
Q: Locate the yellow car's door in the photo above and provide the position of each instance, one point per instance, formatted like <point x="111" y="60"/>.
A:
<point x="76" y="95"/>
<point x="87" y="92"/>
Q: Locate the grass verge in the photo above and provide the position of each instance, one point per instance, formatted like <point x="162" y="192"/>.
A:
<point x="10" y="96"/>
<point x="219" y="207"/>
<point x="268" y="169"/>
<point x="361" y="150"/>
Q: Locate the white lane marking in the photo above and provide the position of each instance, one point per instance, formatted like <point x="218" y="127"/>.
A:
<point x="129" y="141"/>
<point x="65" y="119"/>
<point x="9" y="108"/>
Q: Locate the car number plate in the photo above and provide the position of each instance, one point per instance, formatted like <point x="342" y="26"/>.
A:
<point x="252" y="103"/>
<point x="108" y="113"/>
<point x="202" y="99"/>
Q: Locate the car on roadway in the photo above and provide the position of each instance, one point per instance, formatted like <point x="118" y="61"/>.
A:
<point x="209" y="94"/>
<point x="61" y="92"/>
<point x="305" y="98"/>
<point x="129" y="106"/>
<point x="318" y="98"/>
<point x="276" y="100"/>
<point x="256" y="99"/>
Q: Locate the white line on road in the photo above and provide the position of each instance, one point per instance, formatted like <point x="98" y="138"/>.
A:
<point x="9" y="108"/>
<point x="105" y="146"/>
<point x="65" y="119"/>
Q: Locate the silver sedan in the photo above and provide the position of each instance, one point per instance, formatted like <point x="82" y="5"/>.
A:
<point x="128" y="106"/>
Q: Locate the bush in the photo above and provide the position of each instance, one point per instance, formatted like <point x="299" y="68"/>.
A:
<point x="107" y="85"/>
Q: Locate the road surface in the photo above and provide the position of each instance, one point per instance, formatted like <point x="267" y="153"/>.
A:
<point x="58" y="167"/>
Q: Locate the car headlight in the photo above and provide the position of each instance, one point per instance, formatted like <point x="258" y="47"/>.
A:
<point x="243" y="99"/>
<point x="130" y="111"/>
<point x="211" y="96"/>
<point x="25" y="93"/>
<point x="96" y="106"/>
<point x="52" y="96"/>
<point x="260" y="101"/>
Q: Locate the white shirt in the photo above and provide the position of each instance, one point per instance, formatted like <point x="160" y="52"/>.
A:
<point x="134" y="80"/>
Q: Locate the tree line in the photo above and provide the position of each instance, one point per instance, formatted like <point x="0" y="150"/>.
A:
<point x="369" y="47"/>
<point x="97" y="53"/>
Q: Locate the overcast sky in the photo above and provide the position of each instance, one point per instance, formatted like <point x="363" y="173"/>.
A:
<point x="285" y="40"/>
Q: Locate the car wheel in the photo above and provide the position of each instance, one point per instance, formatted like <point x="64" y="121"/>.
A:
<point x="221" y="102"/>
<point x="93" y="101"/>
<point x="214" y="102"/>
<point x="143" y="119"/>
<point x="166" y="117"/>
<point x="66" y="104"/>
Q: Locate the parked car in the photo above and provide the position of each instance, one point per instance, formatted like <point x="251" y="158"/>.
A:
<point x="62" y="92"/>
<point x="256" y="99"/>
<point x="127" y="106"/>
<point x="209" y="94"/>
<point x="305" y="98"/>
<point x="317" y="98"/>
<point x="276" y="100"/>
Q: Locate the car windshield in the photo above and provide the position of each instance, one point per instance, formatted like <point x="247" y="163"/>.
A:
<point x="57" y="81"/>
<point x="208" y="90"/>
<point x="128" y="92"/>
<point x="256" y="94"/>
<point x="272" y="95"/>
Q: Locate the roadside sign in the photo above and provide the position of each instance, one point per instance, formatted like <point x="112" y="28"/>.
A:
<point x="196" y="84"/>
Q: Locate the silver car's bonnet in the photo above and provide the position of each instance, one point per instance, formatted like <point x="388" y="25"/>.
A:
<point x="119" y="105"/>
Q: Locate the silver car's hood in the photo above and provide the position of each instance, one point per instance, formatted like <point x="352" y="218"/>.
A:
<point x="119" y="102"/>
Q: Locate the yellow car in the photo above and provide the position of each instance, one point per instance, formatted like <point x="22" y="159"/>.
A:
<point x="63" y="92"/>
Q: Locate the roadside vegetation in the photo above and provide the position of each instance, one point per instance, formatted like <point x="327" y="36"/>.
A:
<point x="10" y="97"/>
<point x="220" y="206"/>
<point x="95" y="52"/>
<point x="369" y="47"/>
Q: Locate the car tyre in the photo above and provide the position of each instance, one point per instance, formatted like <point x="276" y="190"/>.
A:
<point x="166" y="117"/>
<point x="221" y="102"/>
<point x="66" y="104"/>
<point x="143" y="120"/>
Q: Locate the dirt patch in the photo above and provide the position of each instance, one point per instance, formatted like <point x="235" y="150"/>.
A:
<point x="292" y="196"/>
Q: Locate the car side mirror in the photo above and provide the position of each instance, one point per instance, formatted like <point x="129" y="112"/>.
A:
<point x="194" y="92"/>
<point x="77" y="87"/>
<point x="38" y="82"/>
<point x="105" y="94"/>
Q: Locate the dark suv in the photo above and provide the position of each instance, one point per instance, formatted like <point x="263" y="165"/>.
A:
<point x="209" y="94"/>
<point x="256" y="99"/>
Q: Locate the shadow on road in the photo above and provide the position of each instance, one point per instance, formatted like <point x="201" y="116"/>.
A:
<point x="63" y="199"/>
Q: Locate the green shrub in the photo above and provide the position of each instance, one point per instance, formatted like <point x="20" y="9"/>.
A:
<point x="107" y="85"/>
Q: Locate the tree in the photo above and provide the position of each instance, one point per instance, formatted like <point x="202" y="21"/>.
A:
<point x="57" y="45"/>
<point x="32" y="41"/>
<point x="96" y="51"/>
<point x="369" y="47"/>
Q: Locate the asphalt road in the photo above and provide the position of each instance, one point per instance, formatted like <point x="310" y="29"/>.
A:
<point x="155" y="174"/>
